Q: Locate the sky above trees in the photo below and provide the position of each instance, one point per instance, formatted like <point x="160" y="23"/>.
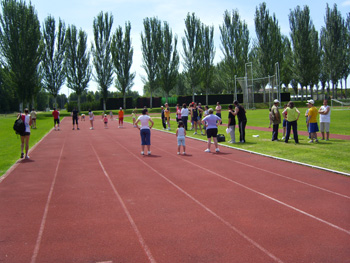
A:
<point x="81" y="13"/>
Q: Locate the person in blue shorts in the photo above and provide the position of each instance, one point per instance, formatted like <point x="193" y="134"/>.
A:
<point x="145" y="131"/>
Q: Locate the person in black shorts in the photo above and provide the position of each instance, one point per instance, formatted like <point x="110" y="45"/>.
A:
<point x="74" y="114"/>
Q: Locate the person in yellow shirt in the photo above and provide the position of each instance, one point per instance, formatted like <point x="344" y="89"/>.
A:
<point x="312" y="121"/>
<point x="167" y="114"/>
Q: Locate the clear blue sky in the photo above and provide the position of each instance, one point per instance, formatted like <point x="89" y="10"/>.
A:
<point x="82" y="12"/>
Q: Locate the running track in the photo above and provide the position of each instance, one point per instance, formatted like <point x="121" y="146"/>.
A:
<point x="89" y="196"/>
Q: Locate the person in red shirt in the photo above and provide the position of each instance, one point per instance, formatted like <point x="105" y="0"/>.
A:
<point x="121" y="117"/>
<point x="56" y="119"/>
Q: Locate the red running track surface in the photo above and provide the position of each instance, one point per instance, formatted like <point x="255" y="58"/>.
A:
<point x="89" y="196"/>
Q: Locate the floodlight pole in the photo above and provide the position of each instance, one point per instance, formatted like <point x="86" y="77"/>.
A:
<point x="235" y="96"/>
<point x="252" y="83"/>
<point x="277" y="69"/>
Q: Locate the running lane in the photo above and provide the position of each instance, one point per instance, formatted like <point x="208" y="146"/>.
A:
<point x="89" y="196"/>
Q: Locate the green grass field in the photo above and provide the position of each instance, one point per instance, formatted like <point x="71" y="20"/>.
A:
<point x="333" y="154"/>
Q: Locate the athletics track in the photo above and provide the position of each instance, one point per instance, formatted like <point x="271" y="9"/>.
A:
<point x="89" y="196"/>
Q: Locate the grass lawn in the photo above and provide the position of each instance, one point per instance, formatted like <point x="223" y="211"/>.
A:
<point x="333" y="154"/>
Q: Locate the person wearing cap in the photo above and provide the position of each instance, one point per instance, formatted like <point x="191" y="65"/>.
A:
<point x="312" y="121"/>
<point x="325" y="119"/>
<point x="121" y="117"/>
<point x="276" y="120"/>
<point x="292" y="121"/>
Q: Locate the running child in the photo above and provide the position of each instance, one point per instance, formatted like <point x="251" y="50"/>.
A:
<point x="91" y="117"/>
<point x="105" y="120"/>
<point x="181" y="134"/>
<point x="133" y="114"/>
<point x="121" y="117"/>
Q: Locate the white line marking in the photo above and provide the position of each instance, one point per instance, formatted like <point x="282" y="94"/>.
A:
<point x="43" y="221"/>
<point x="206" y="208"/>
<point x="266" y="196"/>
<point x="283" y="176"/>
<point x="131" y="220"/>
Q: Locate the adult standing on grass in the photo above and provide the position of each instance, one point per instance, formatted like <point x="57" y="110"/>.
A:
<point x="27" y="119"/>
<point x="74" y="114"/>
<point x="195" y="111"/>
<point x="312" y="121"/>
<point x="212" y="121"/>
<point x="33" y="116"/>
<point x="184" y="115"/>
<point x="167" y="115"/>
<point x="276" y="120"/>
<point x="162" y="116"/>
<point x="292" y="121"/>
<point x="218" y="109"/>
<point x="231" y="124"/>
<point x="145" y="131"/>
<point x="56" y="119"/>
<point x="325" y="119"/>
<point x="242" y="120"/>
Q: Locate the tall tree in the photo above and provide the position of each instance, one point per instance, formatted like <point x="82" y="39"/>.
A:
<point x="192" y="51"/>
<point x="77" y="61"/>
<point x="331" y="37"/>
<point x="303" y="35"/>
<point x="20" y="48"/>
<point x="208" y="50"/>
<point x="101" y="52"/>
<point x="122" y="53"/>
<point x="151" y="49"/>
<point x="346" y="50"/>
<point x="52" y="66"/>
<point x="287" y="62"/>
<point x="168" y="61"/>
<point x="235" y="45"/>
<point x="269" y="39"/>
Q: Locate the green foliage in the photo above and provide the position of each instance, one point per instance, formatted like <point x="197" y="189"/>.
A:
<point x="102" y="54"/>
<point x="20" y="48"/>
<point x="192" y="51"/>
<point x="122" y="53"/>
<point x="151" y="48"/>
<point x="168" y="61"/>
<point x="52" y="66"/>
<point x="77" y="61"/>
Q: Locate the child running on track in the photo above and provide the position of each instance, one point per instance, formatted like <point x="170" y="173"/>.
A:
<point x="181" y="134"/>
<point x="121" y="117"/>
<point x="133" y="114"/>
<point x="105" y="120"/>
<point x="91" y="117"/>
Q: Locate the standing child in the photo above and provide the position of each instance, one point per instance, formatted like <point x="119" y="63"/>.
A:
<point x="121" y="117"/>
<point x="181" y="134"/>
<point x="105" y="120"/>
<point x="133" y="114"/>
<point x="91" y="117"/>
<point x="111" y="115"/>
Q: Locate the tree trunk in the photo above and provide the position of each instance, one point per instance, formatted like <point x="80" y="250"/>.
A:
<point x="150" y="101"/>
<point x="104" y="105"/>
<point x="79" y="102"/>
<point x="206" y="97"/>
<point x="193" y="93"/>
<point x="124" y="100"/>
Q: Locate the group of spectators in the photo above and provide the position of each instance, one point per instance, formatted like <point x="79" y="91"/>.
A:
<point x="290" y="116"/>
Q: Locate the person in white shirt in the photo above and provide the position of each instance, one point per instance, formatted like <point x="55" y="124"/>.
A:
<point x="184" y="115"/>
<point x="145" y="131"/>
<point x="325" y="119"/>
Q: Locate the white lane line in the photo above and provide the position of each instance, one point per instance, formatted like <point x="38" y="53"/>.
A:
<point x="43" y="221"/>
<point x="257" y="245"/>
<point x="264" y="195"/>
<point x="286" y="177"/>
<point x="131" y="220"/>
<point x="277" y="174"/>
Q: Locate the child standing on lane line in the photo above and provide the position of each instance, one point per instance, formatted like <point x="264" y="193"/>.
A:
<point x="181" y="134"/>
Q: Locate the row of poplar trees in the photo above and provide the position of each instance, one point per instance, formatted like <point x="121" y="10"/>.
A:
<point x="32" y="59"/>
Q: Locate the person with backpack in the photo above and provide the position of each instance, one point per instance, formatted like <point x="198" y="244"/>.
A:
<point x="27" y="119"/>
